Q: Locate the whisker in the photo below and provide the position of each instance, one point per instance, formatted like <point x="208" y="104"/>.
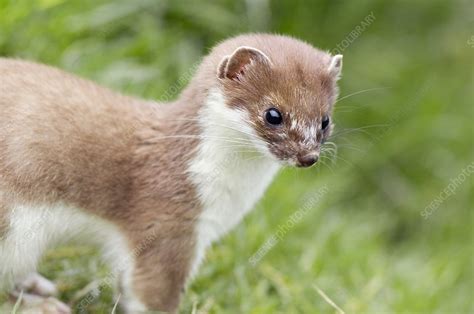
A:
<point x="331" y="157"/>
<point x="330" y="152"/>
<point x="217" y="124"/>
<point x="345" y="160"/>
<point x="226" y="139"/>
<point x="352" y="147"/>
<point x="345" y="145"/>
<point x="360" y="92"/>
<point x="361" y="129"/>
<point x="254" y="158"/>
<point x="323" y="162"/>
<point x="155" y="141"/>
<point x="237" y="130"/>
<point x="332" y="144"/>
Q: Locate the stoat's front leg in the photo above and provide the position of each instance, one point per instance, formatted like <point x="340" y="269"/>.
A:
<point x="161" y="266"/>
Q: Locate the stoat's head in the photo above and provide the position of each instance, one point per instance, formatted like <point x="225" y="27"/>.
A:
<point x="285" y="91"/>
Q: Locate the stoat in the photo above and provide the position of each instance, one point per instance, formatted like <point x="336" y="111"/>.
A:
<point x="154" y="184"/>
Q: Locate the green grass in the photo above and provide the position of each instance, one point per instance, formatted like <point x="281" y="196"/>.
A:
<point x="365" y="244"/>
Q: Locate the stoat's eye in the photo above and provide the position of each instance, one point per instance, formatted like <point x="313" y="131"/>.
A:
<point x="273" y="116"/>
<point x="325" y="123"/>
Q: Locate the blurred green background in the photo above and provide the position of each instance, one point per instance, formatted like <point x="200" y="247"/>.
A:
<point x="366" y="244"/>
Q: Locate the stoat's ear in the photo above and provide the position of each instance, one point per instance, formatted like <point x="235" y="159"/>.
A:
<point x="335" y="66"/>
<point x="235" y="65"/>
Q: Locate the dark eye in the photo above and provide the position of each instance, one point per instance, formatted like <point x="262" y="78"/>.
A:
<point x="273" y="116"/>
<point x="325" y="123"/>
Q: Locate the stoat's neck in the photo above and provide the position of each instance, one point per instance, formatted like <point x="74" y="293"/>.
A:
<point x="230" y="175"/>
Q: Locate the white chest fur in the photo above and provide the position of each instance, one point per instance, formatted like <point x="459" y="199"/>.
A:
<point x="229" y="176"/>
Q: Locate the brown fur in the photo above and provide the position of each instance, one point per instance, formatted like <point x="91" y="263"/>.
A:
<point x="66" y="139"/>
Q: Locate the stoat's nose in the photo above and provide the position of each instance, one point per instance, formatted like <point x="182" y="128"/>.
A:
<point x="307" y="160"/>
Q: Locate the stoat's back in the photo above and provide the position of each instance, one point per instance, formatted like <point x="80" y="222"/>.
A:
<point x="62" y="136"/>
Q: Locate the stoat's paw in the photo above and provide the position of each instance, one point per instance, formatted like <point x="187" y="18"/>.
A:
<point x="38" y="285"/>
<point x="35" y="295"/>
<point x="35" y="304"/>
